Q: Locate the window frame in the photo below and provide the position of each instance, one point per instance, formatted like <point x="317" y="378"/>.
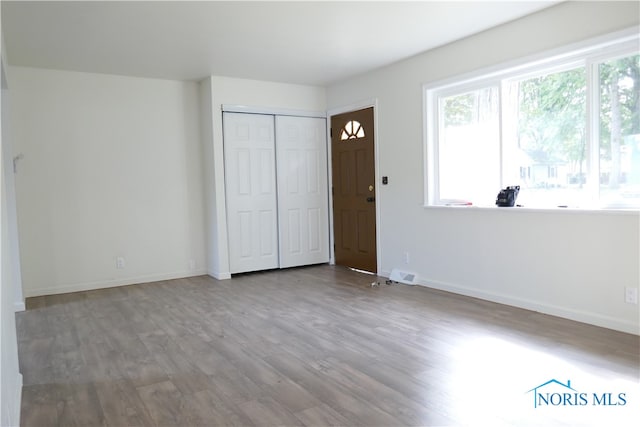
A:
<point x="588" y="54"/>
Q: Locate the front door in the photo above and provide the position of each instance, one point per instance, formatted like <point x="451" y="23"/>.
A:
<point x="354" y="201"/>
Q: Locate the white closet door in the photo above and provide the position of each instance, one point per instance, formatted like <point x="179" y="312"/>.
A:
<point x="303" y="207"/>
<point x="250" y="182"/>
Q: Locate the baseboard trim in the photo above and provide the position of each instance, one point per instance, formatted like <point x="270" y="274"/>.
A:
<point x="112" y="283"/>
<point x="540" y="307"/>
<point x="219" y="276"/>
<point x="19" y="306"/>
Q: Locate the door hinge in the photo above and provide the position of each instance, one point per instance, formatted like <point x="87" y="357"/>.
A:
<point x="331" y="133"/>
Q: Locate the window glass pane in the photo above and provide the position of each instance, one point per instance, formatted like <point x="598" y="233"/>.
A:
<point x="548" y="155"/>
<point x="468" y="147"/>
<point x="620" y="132"/>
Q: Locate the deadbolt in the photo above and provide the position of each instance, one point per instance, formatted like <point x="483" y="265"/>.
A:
<point x="371" y="188"/>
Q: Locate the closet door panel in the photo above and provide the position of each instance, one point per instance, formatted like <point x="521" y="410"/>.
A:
<point x="250" y="184"/>
<point x="303" y="214"/>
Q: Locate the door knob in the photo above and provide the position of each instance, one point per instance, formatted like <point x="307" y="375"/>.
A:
<point x="371" y="199"/>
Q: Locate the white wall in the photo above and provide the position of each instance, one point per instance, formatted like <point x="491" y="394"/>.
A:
<point x="10" y="377"/>
<point x="8" y="175"/>
<point x="215" y="92"/>
<point x="112" y="167"/>
<point x="574" y="265"/>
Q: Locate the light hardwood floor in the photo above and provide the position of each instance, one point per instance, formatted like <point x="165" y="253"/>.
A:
<point x="308" y="346"/>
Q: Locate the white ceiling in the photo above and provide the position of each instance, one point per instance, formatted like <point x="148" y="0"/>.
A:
<point x="297" y="42"/>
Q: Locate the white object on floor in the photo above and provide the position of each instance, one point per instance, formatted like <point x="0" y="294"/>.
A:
<point x="403" y="277"/>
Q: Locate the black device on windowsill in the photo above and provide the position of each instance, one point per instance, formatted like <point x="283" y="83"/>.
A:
<point x="507" y="197"/>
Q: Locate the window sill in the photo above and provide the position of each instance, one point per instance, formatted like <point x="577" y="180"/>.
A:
<point x="568" y="210"/>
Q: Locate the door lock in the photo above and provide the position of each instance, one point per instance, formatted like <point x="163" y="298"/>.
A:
<point x="371" y="188"/>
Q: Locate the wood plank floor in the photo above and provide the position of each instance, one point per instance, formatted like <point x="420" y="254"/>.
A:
<point x="310" y="346"/>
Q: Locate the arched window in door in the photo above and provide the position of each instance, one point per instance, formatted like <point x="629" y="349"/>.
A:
<point x="352" y="130"/>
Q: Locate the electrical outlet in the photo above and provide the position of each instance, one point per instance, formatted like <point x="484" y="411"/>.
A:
<point x="630" y="295"/>
<point x="406" y="257"/>
<point x="120" y="262"/>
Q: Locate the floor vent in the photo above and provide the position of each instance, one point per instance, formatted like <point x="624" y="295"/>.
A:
<point x="403" y="277"/>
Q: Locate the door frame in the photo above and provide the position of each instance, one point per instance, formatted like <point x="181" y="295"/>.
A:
<point x="370" y="103"/>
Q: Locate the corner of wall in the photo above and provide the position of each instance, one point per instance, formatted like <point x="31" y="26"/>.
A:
<point x="206" y="139"/>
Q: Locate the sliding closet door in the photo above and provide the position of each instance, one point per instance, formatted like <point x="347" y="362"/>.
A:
<point x="303" y="214"/>
<point x="250" y="182"/>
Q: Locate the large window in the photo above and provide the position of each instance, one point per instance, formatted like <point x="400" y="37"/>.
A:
<point x="566" y="130"/>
